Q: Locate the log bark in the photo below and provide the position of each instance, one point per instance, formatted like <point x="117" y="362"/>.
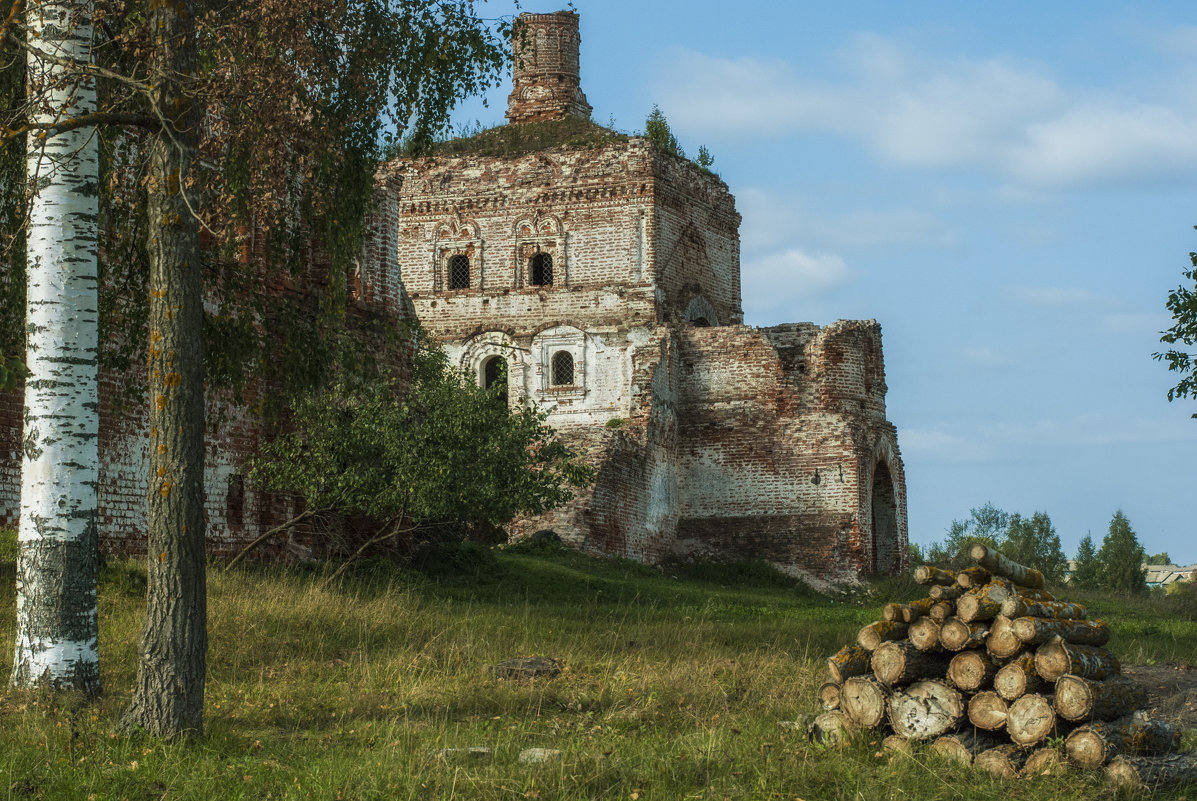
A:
<point x="1045" y="761"/>
<point x="988" y="710"/>
<point x="1056" y="657"/>
<point x="849" y="661"/>
<point x="942" y="610"/>
<point x="1003" y="761"/>
<point x="832" y="728"/>
<point x="1038" y="630"/>
<point x="956" y="635"/>
<point x="1079" y="699"/>
<point x="829" y="695"/>
<point x="863" y="700"/>
<point x="972" y="578"/>
<point x="1095" y="744"/>
<point x="1032" y="719"/>
<point x="975" y="606"/>
<point x="963" y="746"/>
<point x="916" y="609"/>
<point x="929" y="574"/>
<point x="1018" y="677"/>
<point x="924" y="634"/>
<point x="999" y="565"/>
<point x="874" y="634"/>
<point x="1001" y="642"/>
<point x="1021" y="606"/>
<point x="891" y="611"/>
<point x="1154" y="773"/>
<point x="900" y="662"/>
<point x="972" y="670"/>
<point x="943" y="593"/>
<point x="925" y="710"/>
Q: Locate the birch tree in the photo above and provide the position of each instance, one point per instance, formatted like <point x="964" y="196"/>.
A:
<point x="57" y="628"/>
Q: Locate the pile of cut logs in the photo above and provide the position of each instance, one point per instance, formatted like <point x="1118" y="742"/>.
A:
<point x="991" y="669"/>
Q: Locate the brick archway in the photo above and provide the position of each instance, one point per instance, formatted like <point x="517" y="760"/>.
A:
<point x="887" y="557"/>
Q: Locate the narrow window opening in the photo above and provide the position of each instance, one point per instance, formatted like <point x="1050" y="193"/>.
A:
<point x="459" y="272"/>
<point x="494" y="375"/>
<point x="235" y="501"/>
<point x="542" y="270"/>
<point x="563" y="369"/>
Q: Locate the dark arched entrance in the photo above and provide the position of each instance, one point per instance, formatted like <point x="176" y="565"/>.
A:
<point x="886" y="558"/>
<point x="494" y="372"/>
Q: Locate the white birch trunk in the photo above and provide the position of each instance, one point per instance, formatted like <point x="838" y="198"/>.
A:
<point x="57" y="631"/>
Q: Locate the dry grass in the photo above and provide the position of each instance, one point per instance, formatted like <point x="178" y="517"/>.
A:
<point x="674" y="688"/>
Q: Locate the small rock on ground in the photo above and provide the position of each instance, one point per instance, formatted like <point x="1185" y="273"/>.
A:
<point x="533" y="667"/>
<point x="533" y="756"/>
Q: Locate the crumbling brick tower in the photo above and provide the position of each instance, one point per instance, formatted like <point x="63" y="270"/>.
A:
<point x="598" y="277"/>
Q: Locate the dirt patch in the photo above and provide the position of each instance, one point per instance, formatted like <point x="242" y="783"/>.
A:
<point x="1171" y="691"/>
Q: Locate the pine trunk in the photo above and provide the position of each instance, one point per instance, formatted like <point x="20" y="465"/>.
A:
<point x="829" y="696"/>
<point x="1155" y="773"/>
<point x="168" y="693"/>
<point x="874" y="634"/>
<point x="963" y="746"/>
<point x="957" y="634"/>
<point x="57" y="635"/>
<point x="929" y="574"/>
<point x="1018" y="677"/>
<point x="1079" y="699"/>
<point x="1038" y="630"/>
<point x="1002" y="642"/>
<point x="925" y="710"/>
<point x="1055" y="658"/>
<point x="1032" y="719"/>
<point x="862" y="699"/>
<point x="988" y="710"/>
<point x="1022" y="606"/>
<point x="999" y="565"/>
<point x="1003" y="761"/>
<point x="971" y="670"/>
<point x="900" y="662"/>
<point x="849" y="661"/>
<point x="924" y="634"/>
<point x="1095" y="744"/>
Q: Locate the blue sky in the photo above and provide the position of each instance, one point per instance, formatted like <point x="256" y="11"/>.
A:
<point x="1007" y="188"/>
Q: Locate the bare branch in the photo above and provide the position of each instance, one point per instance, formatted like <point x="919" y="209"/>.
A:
<point x="132" y="119"/>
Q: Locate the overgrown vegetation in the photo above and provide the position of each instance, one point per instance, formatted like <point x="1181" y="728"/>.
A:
<point x="510" y="141"/>
<point x="674" y="687"/>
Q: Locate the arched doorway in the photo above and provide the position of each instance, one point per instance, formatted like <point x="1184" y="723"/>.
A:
<point x="494" y="372"/>
<point x="886" y="558"/>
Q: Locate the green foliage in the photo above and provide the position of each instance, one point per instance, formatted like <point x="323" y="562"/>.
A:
<point x="511" y="141"/>
<point x="12" y="370"/>
<point x="1033" y="542"/>
<point x="1182" y="302"/>
<point x="657" y="131"/>
<point x="1159" y="559"/>
<point x="704" y="158"/>
<point x="1120" y="559"/>
<point x="440" y="455"/>
<point x="1085" y="574"/>
<point x="985" y="524"/>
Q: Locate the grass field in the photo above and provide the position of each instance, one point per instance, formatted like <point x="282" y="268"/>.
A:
<point x="674" y="688"/>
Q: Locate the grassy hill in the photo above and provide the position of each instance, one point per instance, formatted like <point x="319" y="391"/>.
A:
<point x="674" y="687"/>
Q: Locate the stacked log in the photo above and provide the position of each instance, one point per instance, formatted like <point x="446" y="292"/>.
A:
<point x="989" y="669"/>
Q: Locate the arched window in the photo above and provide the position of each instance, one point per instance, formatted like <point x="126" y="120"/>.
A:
<point x="542" y="270"/>
<point x="701" y="322"/>
<point x="459" y="272"/>
<point x="563" y="369"/>
<point x="494" y="372"/>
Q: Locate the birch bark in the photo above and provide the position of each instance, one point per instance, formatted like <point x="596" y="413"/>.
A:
<point x="57" y="630"/>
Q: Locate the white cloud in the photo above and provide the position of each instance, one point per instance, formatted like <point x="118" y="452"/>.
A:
<point x="997" y="115"/>
<point x="941" y="446"/>
<point x="790" y="277"/>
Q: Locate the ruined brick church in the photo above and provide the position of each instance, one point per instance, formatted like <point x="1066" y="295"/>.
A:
<point x="598" y="276"/>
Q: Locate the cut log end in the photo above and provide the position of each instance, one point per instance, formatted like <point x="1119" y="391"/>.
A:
<point x="925" y="710"/>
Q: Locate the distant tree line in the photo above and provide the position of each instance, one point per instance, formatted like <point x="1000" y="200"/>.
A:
<point x="1116" y="566"/>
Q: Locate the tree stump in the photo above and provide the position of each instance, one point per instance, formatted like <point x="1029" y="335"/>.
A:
<point x="1079" y="699"/>
<point x="1003" y="761"/>
<point x="862" y="699"/>
<point x="900" y="662"/>
<point x="971" y="670"/>
<point x="1018" y="677"/>
<point x="1038" y="630"/>
<point x="956" y="634"/>
<point x="1095" y="744"/>
<point x="1031" y="720"/>
<point x="874" y="634"/>
<point x="849" y="661"/>
<point x="1154" y="773"/>
<point x="925" y="710"/>
<point x="999" y="565"/>
<point x="988" y="710"/>
<point x="1056" y="657"/>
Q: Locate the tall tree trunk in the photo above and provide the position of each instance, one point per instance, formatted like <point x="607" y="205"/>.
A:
<point x="57" y="632"/>
<point x="168" y="697"/>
